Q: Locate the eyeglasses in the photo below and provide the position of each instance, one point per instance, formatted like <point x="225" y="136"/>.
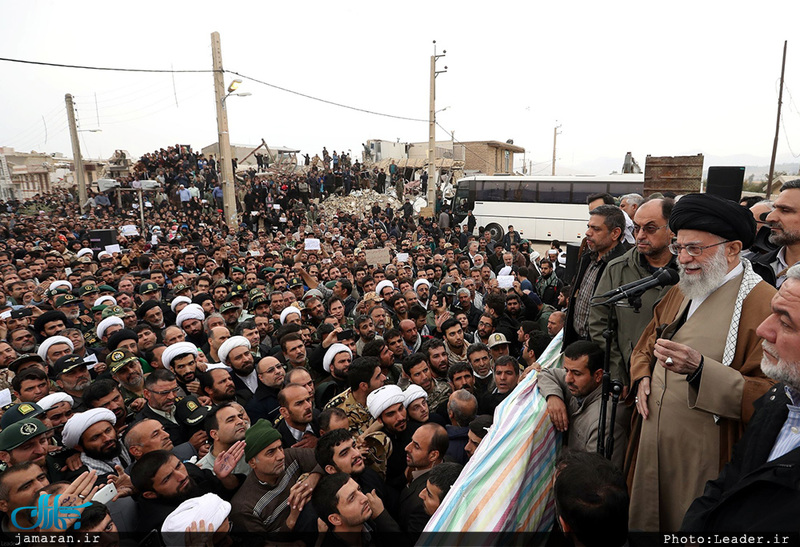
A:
<point x="693" y="250"/>
<point x="165" y="392"/>
<point x="650" y="229"/>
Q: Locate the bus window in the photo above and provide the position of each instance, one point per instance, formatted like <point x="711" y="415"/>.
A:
<point x="514" y="190"/>
<point x="582" y="190"/>
<point x="554" y="192"/>
<point x="492" y="190"/>
<point x="462" y="201"/>
<point x="528" y="194"/>
<point x="617" y="189"/>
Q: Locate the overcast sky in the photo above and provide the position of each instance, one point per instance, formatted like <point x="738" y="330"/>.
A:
<point x="648" y="77"/>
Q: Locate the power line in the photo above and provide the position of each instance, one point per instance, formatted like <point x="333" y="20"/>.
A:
<point x="112" y="69"/>
<point x="307" y="96"/>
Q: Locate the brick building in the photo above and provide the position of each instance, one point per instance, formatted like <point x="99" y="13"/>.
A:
<point x="490" y="157"/>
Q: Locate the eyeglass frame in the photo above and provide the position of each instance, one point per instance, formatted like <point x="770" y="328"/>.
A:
<point x="175" y="390"/>
<point x="672" y="247"/>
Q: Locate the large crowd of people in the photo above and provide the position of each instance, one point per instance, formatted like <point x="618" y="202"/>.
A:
<point x="267" y="381"/>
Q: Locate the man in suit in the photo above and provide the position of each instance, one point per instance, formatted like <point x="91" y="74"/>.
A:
<point x="758" y="488"/>
<point x="298" y="418"/>
<point x="160" y="391"/>
<point x="426" y="450"/>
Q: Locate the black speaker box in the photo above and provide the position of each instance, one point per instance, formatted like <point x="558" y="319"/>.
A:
<point x="725" y="182"/>
<point x="99" y="239"/>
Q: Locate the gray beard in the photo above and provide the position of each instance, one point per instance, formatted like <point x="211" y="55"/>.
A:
<point x="782" y="371"/>
<point x="710" y="279"/>
<point x="784" y="238"/>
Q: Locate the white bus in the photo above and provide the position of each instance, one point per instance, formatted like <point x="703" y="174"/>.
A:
<point x="540" y="208"/>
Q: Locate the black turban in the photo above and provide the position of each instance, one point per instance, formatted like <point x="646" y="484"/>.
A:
<point x="709" y="213"/>
<point x="46" y="317"/>
<point x="124" y="334"/>
<point x="146" y="307"/>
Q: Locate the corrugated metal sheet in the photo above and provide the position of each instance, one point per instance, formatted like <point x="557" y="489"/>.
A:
<point x="679" y="174"/>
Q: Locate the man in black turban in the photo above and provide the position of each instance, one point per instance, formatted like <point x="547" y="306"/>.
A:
<point x="696" y="369"/>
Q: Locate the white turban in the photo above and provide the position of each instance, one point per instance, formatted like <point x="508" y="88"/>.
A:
<point x="48" y="402"/>
<point x="177" y="300"/>
<point x="106" y="298"/>
<point x="382" y="285"/>
<point x="60" y="283"/>
<point x="287" y="311"/>
<point x="49" y="342"/>
<point x="209" y="508"/>
<point x="85" y="251"/>
<point x="419" y="282"/>
<point x="229" y="344"/>
<point x="178" y="348"/>
<point x="412" y="393"/>
<point x="331" y="353"/>
<point x="82" y="421"/>
<point x="102" y="253"/>
<point x="192" y="311"/>
<point x="102" y="327"/>
<point x="505" y="270"/>
<point x="382" y="398"/>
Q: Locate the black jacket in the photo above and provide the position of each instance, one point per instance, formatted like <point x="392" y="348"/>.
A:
<point x="570" y="334"/>
<point x="762" y="266"/>
<point x="750" y="493"/>
<point x="178" y="433"/>
<point x="264" y="404"/>
<point x="287" y="439"/>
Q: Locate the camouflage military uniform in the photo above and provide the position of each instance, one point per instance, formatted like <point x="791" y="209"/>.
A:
<point x="439" y="394"/>
<point x="5" y="379"/>
<point x="358" y="416"/>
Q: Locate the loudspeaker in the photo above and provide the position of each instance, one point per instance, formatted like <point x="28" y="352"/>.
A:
<point x="99" y="239"/>
<point x="726" y="182"/>
<point x="573" y="251"/>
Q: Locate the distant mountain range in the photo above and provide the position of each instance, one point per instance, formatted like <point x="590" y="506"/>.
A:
<point x="757" y="166"/>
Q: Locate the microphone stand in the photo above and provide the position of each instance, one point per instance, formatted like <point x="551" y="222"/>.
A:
<point x="611" y="388"/>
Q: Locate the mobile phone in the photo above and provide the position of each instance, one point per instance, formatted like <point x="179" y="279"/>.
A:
<point x="345" y="335"/>
<point x="105" y="494"/>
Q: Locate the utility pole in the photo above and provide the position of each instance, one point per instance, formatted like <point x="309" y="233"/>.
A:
<point x="432" y="182"/>
<point x="555" y="135"/>
<point x="224" y="156"/>
<point x="76" y="153"/>
<point x="777" y="125"/>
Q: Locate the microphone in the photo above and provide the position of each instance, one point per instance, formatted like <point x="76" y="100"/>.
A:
<point x="661" y="278"/>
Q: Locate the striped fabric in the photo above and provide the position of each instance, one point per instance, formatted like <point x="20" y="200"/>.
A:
<point x="507" y="485"/>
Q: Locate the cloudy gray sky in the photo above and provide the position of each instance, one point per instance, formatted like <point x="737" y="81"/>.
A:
<point x="648" y="77"/>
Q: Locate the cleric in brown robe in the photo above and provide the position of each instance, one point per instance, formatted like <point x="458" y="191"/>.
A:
<point x="696" y="369"/>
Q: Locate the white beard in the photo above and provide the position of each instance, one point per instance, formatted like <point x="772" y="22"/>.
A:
<point x="782" y="371"/>
<point x="710" y="279"/>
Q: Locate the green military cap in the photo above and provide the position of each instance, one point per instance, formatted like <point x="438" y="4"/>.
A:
<point x="258" y="300"/>
<point x="118" y="359"/>
<point x="228" y="306"/>
<point x="113" y="311"/>
<point x="238" y="269"/>
<point x="17" y="434"/>
<point x="66" y="299"/>
<point x="98" y="308"/>
<point x="148" y="287"/>
<point x="107" y="288"/>
<point x="18" y="412"/>
<point x="88" y="289"/>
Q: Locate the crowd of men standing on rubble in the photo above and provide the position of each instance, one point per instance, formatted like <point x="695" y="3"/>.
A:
<point x="240" y="380"/>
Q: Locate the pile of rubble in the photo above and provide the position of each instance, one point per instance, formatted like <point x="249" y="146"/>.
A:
<point x="357" y="203"/>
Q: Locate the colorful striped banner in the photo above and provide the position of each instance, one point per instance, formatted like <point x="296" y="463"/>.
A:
<point x="507" y="485"/>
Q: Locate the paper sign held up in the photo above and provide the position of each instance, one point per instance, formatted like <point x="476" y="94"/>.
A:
<point x="312" y="244"/>
<point x="377" y="256"/>
<point x="505" y="281"/>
